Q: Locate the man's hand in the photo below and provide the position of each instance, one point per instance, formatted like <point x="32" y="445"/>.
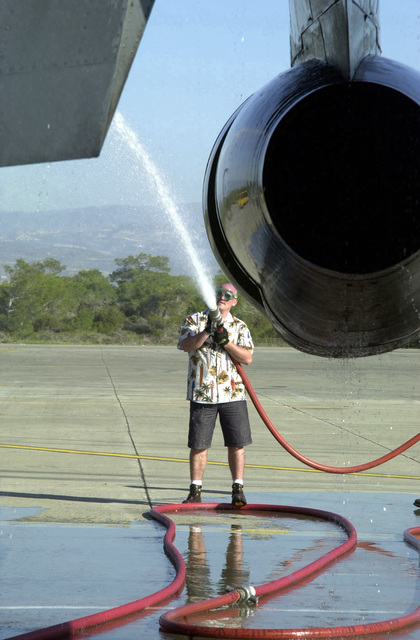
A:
<point x="207" y="328"/>
<point x="221" y="336"/>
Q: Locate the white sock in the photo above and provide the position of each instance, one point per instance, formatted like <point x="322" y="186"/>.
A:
<point x="199" y="483"/>
<point x="239" y="481"/>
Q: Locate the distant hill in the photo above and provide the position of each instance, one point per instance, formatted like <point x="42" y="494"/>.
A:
<point x="91" y="238"/>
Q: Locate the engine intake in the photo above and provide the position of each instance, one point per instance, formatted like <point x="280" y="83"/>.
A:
<point x="312" y="206"/>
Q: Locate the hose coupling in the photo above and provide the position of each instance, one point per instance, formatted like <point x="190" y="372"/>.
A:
<point x="246" y="594"/>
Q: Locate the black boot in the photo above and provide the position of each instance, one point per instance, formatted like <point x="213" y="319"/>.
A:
<point x="194" y="494"/>
<point x="238" y="496"/>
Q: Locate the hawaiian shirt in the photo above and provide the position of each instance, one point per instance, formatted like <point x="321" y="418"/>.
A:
<point x="212" y="376"/>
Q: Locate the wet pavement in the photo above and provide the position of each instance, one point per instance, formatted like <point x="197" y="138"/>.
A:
<point x="92" y="438"/>
<point x="53" y="573"/>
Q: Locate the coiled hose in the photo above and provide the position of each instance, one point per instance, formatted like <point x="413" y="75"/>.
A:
<point x="170" y="621"/>
<point x="176" y="621"/>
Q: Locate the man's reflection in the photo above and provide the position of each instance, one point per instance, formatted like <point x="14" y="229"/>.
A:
<point x="198" y="581"/>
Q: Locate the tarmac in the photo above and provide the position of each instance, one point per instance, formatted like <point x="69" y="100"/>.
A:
<point x="93" y="437"/>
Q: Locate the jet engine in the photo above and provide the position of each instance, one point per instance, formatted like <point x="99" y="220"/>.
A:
<point x="312" y="205"/>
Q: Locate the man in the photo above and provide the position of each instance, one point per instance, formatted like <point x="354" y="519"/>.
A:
<point x="215" y="388"/>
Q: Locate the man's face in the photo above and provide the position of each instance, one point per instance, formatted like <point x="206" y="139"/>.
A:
<point x="225" y="298"/>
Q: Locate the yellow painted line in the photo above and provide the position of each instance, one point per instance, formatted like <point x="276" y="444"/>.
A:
<point x="186" y="460"/>
<point x="95" y="453"/>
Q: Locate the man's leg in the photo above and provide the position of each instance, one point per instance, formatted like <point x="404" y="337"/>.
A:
<point x="201" y="427"/>
<point x="237" y="434"/>
<point x="198" y="461"/>
<point x="236" y="459"/>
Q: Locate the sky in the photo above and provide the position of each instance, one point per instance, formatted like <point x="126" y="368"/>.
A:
<point x="196" y="63"/>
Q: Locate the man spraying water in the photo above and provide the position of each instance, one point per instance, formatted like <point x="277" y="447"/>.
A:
<point x="214" y="339"/>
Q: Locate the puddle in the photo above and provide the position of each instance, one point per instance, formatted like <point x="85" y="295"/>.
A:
<point x="53" y="573"/>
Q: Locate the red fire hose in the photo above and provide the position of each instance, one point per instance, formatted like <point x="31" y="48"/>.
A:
<point x="171" y="621"/>
<point x="304" y="459"/>
<point x="176" y="621"/>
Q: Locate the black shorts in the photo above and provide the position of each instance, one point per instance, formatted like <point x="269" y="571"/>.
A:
<point x="234" y="421"/>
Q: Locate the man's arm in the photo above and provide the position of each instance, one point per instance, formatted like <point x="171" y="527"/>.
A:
<point x="191" y="343"/>
<point x="240" y="354"/>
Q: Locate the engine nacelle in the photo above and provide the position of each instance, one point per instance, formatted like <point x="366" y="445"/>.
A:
<point x="312" y="206"/>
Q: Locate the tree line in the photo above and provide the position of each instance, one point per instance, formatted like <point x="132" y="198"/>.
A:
<point x="139" y="302"/>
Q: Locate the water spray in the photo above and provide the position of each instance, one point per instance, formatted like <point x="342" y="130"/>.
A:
<point x="163" y="192"/>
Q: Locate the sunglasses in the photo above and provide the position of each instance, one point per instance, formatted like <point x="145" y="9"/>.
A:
<point x="225" y="293"/>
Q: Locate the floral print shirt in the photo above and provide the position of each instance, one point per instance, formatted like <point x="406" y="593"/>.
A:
<point x="212" y="376"/>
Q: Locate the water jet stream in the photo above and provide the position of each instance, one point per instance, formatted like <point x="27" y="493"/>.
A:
<point x="162" y="192"/>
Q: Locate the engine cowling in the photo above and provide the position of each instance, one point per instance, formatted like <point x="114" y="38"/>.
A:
<point x="312" y="206"/>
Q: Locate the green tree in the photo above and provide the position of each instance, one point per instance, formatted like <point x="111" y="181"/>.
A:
<point x="34" y="296"/>
<point x="96" y="303"/>
<point x="94" y="289"/>
<point x="156" y="303"/>
<point x="108" y="319"/>
<point x="50" y="265"/>
<point x="130" y="267"/>
<point x="140" y="297"/>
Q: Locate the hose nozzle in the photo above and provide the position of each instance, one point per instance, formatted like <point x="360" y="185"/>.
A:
<point x="216" y="317"/>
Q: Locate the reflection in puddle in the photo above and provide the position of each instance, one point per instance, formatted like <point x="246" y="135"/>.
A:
<point x="373" y="546"/>
<point x="235" y="571"/>
<point x="359" y="589"/>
